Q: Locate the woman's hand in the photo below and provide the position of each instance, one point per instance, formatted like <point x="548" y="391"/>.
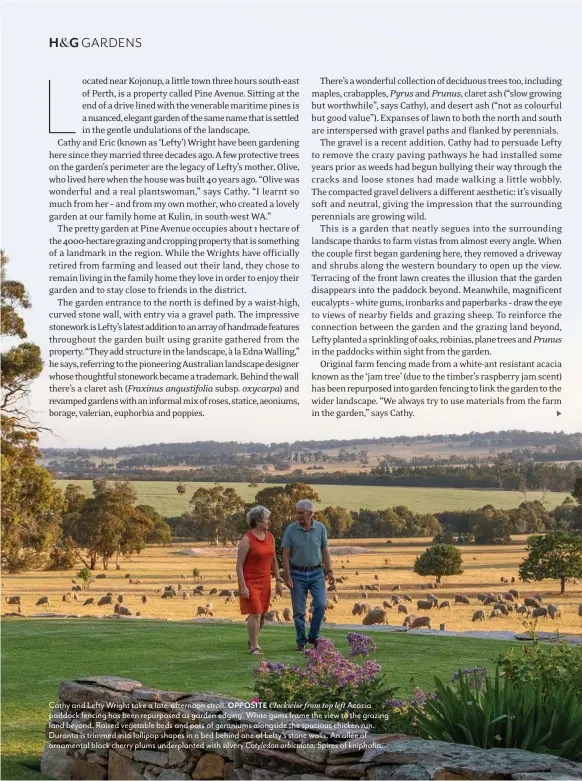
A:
<point x="244" y="592"/>
<point x="279" y="588"/>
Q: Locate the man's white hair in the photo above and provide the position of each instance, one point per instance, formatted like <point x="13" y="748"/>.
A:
<point x="305" y="504"/>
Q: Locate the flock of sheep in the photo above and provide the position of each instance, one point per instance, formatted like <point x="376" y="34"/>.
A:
<point x="499" y="604"/>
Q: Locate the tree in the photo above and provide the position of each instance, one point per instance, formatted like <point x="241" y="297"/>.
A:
<point x="281" y="501"/>
<point x="181" y="488"/>
<point x="21" y="363"/>
<point x="439" y="560"/>
<point x="160" y="533"/>
<point x="31" y="503"/>
<point x="85" y="575"/>
<point x="491" y="527"/>
<point x="557" y="556"/>
<point x="109" y="524"/>
<point x="337" y="519"/>
<point x="215" y="515"/>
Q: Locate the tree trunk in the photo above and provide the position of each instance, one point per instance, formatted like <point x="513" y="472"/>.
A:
<point x="562" y="585"/>
<point x="117" y="564"/>
<point x="92" y="562"/>
<point x="105" y="562"/>
<point x="438" y="580"/>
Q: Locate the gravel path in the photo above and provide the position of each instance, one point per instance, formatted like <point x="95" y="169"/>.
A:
<point x="491" y="635"/>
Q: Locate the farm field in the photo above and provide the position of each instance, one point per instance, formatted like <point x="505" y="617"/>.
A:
<point x="163" y="497"/>
<point x="375" y="563"/>
<point x="179" y="657"/>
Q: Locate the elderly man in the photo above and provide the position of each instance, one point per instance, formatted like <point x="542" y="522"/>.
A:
<point x="306" y="564"/>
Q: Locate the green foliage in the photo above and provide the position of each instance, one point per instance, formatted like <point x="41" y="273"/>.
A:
<point x="281" y="501"/>
<point x="398" y="521"/>
<point x="21" y="363"/>
<point x="505" y="714"/>
<point x="439" y="560"/>
<point x="331" y="685"/>
<point x="557" y="556"/>
<point x="546" y="665"/>
<point x="337" y="520"/>
<point x="215" y="515"/>
<point x="64" y="555"/>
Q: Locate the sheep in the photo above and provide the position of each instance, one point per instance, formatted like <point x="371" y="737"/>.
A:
<point x="90" y="601"/>
<point x="376" y="577"/>
<point x="76" y="588"/>
<point x="236" y="593"/>
<point x="185" y="595"/>
<point x="106" y="600"/>
<point x="121" y="610"/>
<point x="481" y="597"/>
<point x="554" y="611"/>
<point x="531" y="602"/>
<point x="287" y="614"/>
<point x="359" y="608"/>
<point x="374" y="617"/>
<point x="478" y="615"/>
<point x="120" y="598"/>
<point x="335" y="598"/>
<point x="523" y="610"/>
<point x="101" y="576"/>
<point x="144" y="599"/>
<point x="395" y="600"/>
<point x="66" y="597"/>
<point x="509" y="596"/>
<point x="444" y="603"/>
<point x="513" y="579"/>
<point x="489" y="600"/>
<point x="230" y="598"/>
<point x="514" y="591"/>
<point x="395" y="588"/>
<point x="330" y="606"/>
<point x="75" y="597"/>
<point x="179" y="587"/>
<point x="357" y="573"/>
<point x="409" y="619"/>
<point x="387" y="605"/>
<point x="225" y="592"/>
<point x="495" y="614"/>
<point x="212" y="591"/>
<point x="540" y="612"/>
<point x="501" y="608"/>
<point x="461" y="599"/>
<point x="168" y="594"/>
<point x="432" y="598"/>
<point x="201" y="610"/>
<point x="420" y="622"/>
<point x="200" y="588"/>
<point x="580" y="610"/>
<point x="273" y="615"/>
<point x="407" y="597"/>
<point x="43" y="601"/>
<point x="332" y="587"/>
<point x="403" y="609"/>
<point x="364" y="595"/>
<point x="128" y="575"/>
<point x="425" y="604"/>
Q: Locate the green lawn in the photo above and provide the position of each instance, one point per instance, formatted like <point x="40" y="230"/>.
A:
<point x="162" y="495"/>
<point x="38" y="654"/>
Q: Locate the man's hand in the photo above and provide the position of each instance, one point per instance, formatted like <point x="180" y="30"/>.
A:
<point x="288" y="581"/>
<point x="244" y="592"/>
<point x="330" y="578"/>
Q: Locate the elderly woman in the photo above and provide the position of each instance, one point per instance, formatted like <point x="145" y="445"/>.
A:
<point x="255" y="562"/>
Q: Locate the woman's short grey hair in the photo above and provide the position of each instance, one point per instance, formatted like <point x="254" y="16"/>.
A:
<point x="305" y="504"/>
<point x="257" y="514"/>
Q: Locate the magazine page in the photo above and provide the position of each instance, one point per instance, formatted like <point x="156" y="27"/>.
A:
<point x="291" y="423"/>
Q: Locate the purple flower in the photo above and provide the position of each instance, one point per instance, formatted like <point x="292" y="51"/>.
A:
<point x="360" y="645"/>
<point x="475" y="676"/>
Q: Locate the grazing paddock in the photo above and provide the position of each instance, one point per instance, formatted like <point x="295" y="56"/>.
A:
<point x="157" y="568"/>
<point x="163" y="497"/>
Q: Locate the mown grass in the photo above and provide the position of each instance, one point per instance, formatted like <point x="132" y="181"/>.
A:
<point x="38" y="654"/>
<point x="162" y="495"/>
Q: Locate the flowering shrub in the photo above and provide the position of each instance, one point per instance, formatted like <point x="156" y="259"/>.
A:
<point x="331" y="686"/>
<point x="549" y="665"/>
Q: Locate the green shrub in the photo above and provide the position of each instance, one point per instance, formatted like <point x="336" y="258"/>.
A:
<point x="505" y="714"/>
<point x="548" y="665"/>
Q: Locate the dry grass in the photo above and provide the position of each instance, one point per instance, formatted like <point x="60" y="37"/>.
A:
<point x="156" y="568"/>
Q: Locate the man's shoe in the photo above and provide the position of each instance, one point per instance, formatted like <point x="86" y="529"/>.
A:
<point x="300" y="648"/>
<point x="313" y="642"/>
